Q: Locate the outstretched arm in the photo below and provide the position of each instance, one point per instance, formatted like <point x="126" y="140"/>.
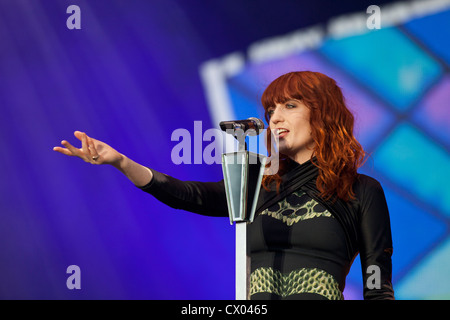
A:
<point x="207" y="198"/>
<point x="97" y="152"/>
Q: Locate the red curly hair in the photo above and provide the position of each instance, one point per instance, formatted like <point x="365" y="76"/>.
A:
<point x="337" y="153"/>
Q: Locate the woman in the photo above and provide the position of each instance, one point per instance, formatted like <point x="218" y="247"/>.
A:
<point x="313" y="217"/>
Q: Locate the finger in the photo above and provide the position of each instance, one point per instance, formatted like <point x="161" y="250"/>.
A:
<point x="75" y="151"/>
<point x="93" y="149"/>
<point x="78" y="135"/>
<point x="84" y="146"/>
<point x="71" y="148"/>
<point x="63" y="151"/>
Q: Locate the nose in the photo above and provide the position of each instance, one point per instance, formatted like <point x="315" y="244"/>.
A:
<point x="277" y="116"/>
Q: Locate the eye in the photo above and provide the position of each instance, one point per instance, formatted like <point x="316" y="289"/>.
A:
<point x="290" y="106"/>
<point x="270" y="112"/>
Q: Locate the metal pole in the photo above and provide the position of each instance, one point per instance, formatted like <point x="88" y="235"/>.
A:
<point x="241" y="206"/>
<point x="242" y="262"/>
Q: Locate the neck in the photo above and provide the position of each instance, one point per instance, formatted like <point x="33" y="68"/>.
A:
<point x="302" y="157"/>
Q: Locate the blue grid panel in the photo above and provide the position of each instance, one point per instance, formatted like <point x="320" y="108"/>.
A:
<point x="243" y="99"/>
<point x="434" y="32"/>
<point x="430" y="279"/>
<point x="414" y="231"/>
<point x="433" y="113"/>
<point x="387" y="62"/>
<point x="372" y="118"/>
<point x="416" y="164"/>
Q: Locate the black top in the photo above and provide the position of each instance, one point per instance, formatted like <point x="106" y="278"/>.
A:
<point x="301" y="246"/>
<point x="298" y="251"/>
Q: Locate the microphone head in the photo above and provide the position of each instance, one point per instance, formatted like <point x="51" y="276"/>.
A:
<point x="258" y="126"/>
<point x="251" y="126"/>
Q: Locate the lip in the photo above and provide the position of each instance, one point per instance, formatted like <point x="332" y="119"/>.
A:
<point x="282" y="134"/>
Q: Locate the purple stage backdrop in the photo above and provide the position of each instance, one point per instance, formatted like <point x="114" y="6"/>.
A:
<point x="134" y="72"/>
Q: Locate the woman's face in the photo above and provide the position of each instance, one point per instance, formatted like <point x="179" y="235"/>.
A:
<point x="289" y="123"/>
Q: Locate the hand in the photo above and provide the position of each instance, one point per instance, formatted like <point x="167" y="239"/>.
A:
<point x="92" y="150"/>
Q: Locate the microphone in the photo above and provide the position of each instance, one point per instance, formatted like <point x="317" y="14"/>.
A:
<point x="255" y="124"/>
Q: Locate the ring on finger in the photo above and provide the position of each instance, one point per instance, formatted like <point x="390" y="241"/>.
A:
<point x="95" y="157"/>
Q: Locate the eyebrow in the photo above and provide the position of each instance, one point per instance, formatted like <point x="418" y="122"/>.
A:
<point x="288" y="100"/>
<point x="292" y="100"/>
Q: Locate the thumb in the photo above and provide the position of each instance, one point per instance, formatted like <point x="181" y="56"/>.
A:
<point x="78" y="134"/>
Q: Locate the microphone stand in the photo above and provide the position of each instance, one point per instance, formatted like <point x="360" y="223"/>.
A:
<point x="242" y="171"/>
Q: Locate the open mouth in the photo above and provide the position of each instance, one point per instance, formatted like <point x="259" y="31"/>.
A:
<point x="281" y="132"/>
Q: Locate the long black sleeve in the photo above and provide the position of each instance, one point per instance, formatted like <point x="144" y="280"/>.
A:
<point x="205" y="198"/>
<point x="375" y="242"/>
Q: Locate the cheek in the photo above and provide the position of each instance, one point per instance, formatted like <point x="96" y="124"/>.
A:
<point x="302" y="123"/>
<point x="303" y="132"/>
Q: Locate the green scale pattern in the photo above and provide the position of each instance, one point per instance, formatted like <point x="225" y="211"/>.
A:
<point x="304" y="280"/>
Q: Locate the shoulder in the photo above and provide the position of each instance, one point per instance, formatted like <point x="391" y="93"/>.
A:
<point x="366" y="183"/>
<point x="369" y="192"/>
